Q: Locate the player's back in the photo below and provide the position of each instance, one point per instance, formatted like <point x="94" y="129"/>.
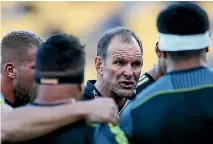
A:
<point x="77" y="133"/>
<point x="181" y="117"/>
<point x="178" y="108"/>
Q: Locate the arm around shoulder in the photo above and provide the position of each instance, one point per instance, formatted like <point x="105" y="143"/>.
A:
<point x="25" y="123"/>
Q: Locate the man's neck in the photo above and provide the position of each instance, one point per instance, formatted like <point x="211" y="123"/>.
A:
<point x="53" y="95"/>
<point x="120" y="101"/>
<point x="7" y="90"/>
<point x="184" y="65"/>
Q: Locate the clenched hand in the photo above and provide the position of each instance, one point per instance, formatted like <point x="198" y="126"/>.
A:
<point x="101" y="110"/>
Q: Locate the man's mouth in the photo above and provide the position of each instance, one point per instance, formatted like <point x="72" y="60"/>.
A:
<point x="126" y="84"/>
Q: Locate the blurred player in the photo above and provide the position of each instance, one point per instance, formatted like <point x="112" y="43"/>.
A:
<point x="59" y="73"/>
<point x="178" y="107"/>
<point x="180" y="100"/>
<point x="17" y="88"/>
<point x="17" y="67"/>
<point x="148" y="78"/>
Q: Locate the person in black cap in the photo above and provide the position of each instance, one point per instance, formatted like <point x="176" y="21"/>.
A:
<point x="178" y="107"/>
<point x="59" y="74"/>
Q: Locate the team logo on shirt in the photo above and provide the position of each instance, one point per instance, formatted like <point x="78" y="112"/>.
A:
<point x="95" y="94"/>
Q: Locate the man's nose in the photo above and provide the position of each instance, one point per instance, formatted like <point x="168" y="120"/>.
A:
<point x="128" y="71"/>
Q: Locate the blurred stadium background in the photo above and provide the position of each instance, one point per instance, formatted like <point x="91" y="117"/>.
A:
<point x="88" y="20"/>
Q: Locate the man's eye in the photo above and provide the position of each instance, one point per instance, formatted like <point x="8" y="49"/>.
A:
<point x="136" y="64"/>
<point x="32" y="67"/>
<point x="119" y="63"/>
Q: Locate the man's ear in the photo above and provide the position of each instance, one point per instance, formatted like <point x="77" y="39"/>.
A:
<point x="99" y="65"/>
<point x="160" y="54"/>
<point x="9" y="69"/>
<point x="81" y="87"/>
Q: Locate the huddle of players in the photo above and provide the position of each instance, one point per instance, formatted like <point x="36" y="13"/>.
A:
<point x="177" y="108"/>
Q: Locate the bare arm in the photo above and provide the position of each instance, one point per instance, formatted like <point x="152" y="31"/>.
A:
<point x="30" y="122"/>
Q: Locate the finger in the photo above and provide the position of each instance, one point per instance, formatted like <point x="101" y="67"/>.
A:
<point x="115" y="118"/>
<point x="112" y="120"/>
<point x="115" y="109"/>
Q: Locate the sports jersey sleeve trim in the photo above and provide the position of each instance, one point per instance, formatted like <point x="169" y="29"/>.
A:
<point x="149" y="76"/>
<point x="144" y="81"/>
<point x="119" y="134"/>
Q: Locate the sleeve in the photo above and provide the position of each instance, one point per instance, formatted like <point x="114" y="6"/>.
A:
<point x="144" y="81"/>
<point x="108" y="133"/>
<point x="125" y="122"/>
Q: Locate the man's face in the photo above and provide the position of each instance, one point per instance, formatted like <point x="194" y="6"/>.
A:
<point x="24" y="86"/>
<point x="122" y="67"/>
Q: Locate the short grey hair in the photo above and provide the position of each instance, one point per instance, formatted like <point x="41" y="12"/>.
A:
<point x="105" y="39"/>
